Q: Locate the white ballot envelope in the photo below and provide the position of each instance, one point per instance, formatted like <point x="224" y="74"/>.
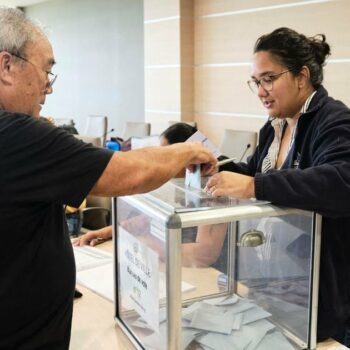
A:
<point x="193" y="179"/>
<point x="199" y="137"/>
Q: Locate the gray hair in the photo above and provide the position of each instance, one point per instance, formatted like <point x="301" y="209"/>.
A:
<point x="16" y="31"/>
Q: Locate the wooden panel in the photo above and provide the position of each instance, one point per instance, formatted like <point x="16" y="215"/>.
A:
<point x="336" y="81"/>
<point x="187" y="87"/>
<point x="186" y="8"/>
<point x="231" y="38"/>
<point x="162" y="43"/>
<point x="187" y="84"/>
<point x="160" y="121"/>
<point x="214" y="93"/>
<point x="208" y="7"/>
<point x="213" y="126"/>
<point x="225" y="89"/>
<point x="154" y="9"/>
<point x="187" y="41"/>
<point x="162" y="89"/>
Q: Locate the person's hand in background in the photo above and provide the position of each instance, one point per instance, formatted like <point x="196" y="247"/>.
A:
<point x="93" y="238"/>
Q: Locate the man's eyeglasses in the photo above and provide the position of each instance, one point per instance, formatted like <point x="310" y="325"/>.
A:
<point x="51" y="77"/>
<point x="266" y="82"/>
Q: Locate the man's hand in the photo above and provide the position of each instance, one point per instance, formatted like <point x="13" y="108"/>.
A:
<point x="143" y="170"/>
<point x="203" y="156"/>
<point x="231" y="184"/>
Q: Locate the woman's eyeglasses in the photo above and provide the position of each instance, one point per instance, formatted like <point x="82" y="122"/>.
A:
<point x="266" y="82"/>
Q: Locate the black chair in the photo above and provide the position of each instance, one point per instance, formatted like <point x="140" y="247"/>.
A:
<point x="97" y="213"/>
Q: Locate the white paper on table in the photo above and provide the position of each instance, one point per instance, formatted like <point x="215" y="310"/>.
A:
<point x="99" y="279"/>
<point x="88" y="257"/>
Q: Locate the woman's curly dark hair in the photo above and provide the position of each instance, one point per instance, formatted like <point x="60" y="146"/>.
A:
<point x="295" y="50"/>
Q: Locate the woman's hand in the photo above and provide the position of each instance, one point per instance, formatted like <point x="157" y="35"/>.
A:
<point x="231" y="184"/>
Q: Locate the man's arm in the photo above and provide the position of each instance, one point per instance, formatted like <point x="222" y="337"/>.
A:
<point x="146" y="169"/>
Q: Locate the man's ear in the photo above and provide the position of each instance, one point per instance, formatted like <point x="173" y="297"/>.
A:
<point x="6" y="63"/>
<point x="304" y="77"/>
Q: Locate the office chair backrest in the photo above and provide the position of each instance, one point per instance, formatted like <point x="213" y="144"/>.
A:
<point x="96" y="141"/>
<point x="64" y="121"/>
<point x="138" y="129"/>
<point x="97" y="213"/>
<point x="97" y="126"/>
<point x="235" y="144"/>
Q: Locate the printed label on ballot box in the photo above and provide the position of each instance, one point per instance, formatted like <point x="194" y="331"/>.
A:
<point x="139" y="277"/>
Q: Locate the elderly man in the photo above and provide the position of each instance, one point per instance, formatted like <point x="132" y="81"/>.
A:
<point x="43" y="167"/>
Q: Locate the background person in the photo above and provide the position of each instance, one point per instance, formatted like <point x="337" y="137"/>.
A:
<point x="303" y="159"/>
<point x="202" y="247"/>
<point x="176" y="133"/>
<point x="42" y="168"/>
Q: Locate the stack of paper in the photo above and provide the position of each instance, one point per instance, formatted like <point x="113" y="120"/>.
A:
<point x="95" y="270"/>
<point x="87" y="257"/>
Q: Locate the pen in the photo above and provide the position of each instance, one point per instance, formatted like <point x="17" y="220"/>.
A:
<point x="225" y="161"/>
<point x="100" y="240"/>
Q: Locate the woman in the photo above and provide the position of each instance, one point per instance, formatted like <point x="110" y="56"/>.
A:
<point x="303" y="158"/>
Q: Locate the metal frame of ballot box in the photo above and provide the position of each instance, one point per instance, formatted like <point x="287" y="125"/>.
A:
<point x="173" y="222"/>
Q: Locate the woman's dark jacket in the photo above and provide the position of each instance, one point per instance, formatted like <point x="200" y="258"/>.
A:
<point x="316" y="176"/>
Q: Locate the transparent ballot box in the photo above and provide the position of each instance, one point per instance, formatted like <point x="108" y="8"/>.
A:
<point x="196" y="272"/>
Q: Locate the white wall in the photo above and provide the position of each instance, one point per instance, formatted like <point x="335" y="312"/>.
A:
<point x="98" y="47"/>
